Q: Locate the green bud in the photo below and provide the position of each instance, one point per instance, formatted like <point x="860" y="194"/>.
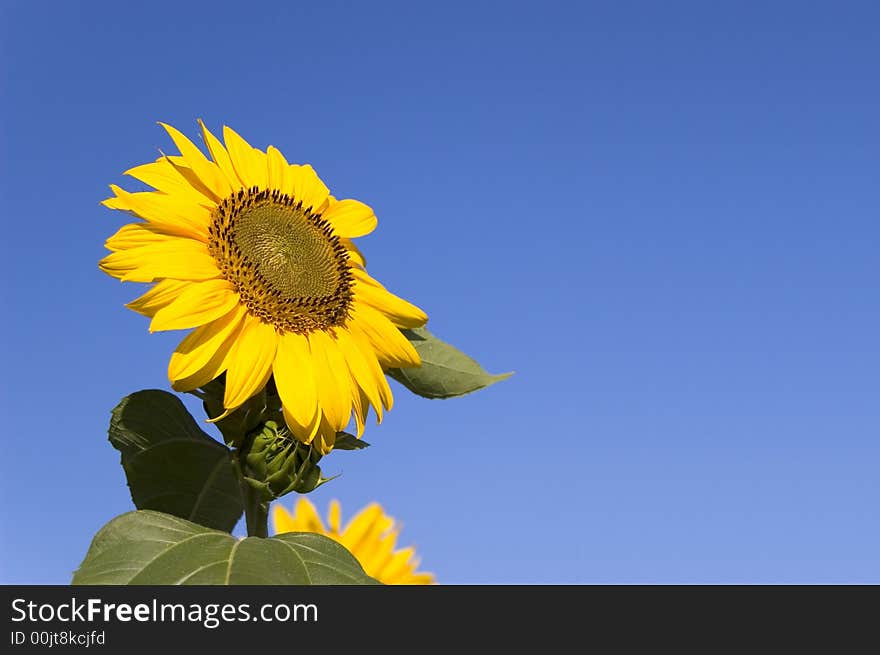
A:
<point x="276" y="463"/>
<point x="271" y="460"/>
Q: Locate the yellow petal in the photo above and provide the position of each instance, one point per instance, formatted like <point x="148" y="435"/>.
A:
<point x="278" y="171"/>
<point x="400" y="312"/>
<point x="354" y="253"/>
<point x="333" y="379"/>
<point x="182" y="259"/>
<point x="178" y="163"/>
<point x="304" y="432"/>
<point x="162" y="293"/>
<point x="334" y="516"/>
<point x="171" y="214"/>
<point x="399" y="566"/>
<point x="206" y="170"/>
<point x="418" y="578"/>
<point x="307" y="517"/>
<point x="361" y="372"/>
<point x="221" y="158"/>
<point x="295" y="381"/>
<point x="376" y="548"/>
<point x="163" y="176"/>
<point x="214" y="367"/>
<point x="360" y="406"/>
<point x="362" y="341"/>
<point x="392" y="348"/>
<point x="263" y="163"/>
<point x="308" y="187"/>
<point x="210" y="371"/>
<point x="203" y="343"/>
<point x="245" y="161"/>
<point x="325" y="439"/>
<point x="250" y="363"/>
<point x="199" y="303"/>
<point x="370" y="522"/>
<point x="136" y="235"/>
<point x="329" y="200"/>
<point x="282" y="521"/>
<point x="350" y="218"/>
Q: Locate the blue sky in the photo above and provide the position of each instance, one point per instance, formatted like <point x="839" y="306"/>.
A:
<point x="663" y="216"/>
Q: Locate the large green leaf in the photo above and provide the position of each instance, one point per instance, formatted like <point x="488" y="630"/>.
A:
<point x="171" y="465"/>
<point x="146" y="548"/>
<point x="445" y="372"/>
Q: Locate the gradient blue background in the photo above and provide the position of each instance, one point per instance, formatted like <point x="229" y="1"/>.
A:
<point x="663" y="216"/>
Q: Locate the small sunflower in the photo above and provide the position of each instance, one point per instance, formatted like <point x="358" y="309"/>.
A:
<point x="257" y="256"/>
<point x="371" y="536"/>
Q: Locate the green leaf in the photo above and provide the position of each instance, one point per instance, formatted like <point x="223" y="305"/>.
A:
<point x="445" y="372"/>
<point x="171" y="465"/>
<point x="151" y="548"/>
<point x="346" y="441"/>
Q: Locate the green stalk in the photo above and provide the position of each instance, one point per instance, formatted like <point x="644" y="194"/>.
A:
<point x="256" y="511"/>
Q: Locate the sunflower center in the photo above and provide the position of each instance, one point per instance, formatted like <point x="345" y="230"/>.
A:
<point x="289" y="252"/>
<point x="286" y="263"/>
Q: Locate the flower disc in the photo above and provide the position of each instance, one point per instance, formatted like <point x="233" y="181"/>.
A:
<point x="285" y="262"/>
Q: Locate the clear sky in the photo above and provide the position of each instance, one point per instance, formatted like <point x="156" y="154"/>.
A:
<point x="662" y="216"/>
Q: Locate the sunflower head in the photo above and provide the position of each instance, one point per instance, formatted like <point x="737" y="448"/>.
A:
<point x="255" y="256"/>
<point x="371" y="536"/>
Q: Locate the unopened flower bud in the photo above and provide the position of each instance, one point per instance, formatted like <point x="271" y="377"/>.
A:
<point x="276" y="463"/>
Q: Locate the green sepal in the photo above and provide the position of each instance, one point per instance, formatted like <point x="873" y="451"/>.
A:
<point x="237" y="424"/>
<point x="346" y="441"/>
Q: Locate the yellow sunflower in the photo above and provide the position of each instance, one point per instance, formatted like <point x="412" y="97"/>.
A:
<point x="371" y="536"/>
<point x="257" y="256"/>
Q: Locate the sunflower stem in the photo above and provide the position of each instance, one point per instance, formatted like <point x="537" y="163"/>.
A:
<point x="256" y="510"/>
<point x="256" y="514"/>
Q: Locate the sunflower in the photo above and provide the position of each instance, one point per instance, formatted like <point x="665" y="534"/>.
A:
<point x="257" y="256"/>
<point x="370" y="536"/>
